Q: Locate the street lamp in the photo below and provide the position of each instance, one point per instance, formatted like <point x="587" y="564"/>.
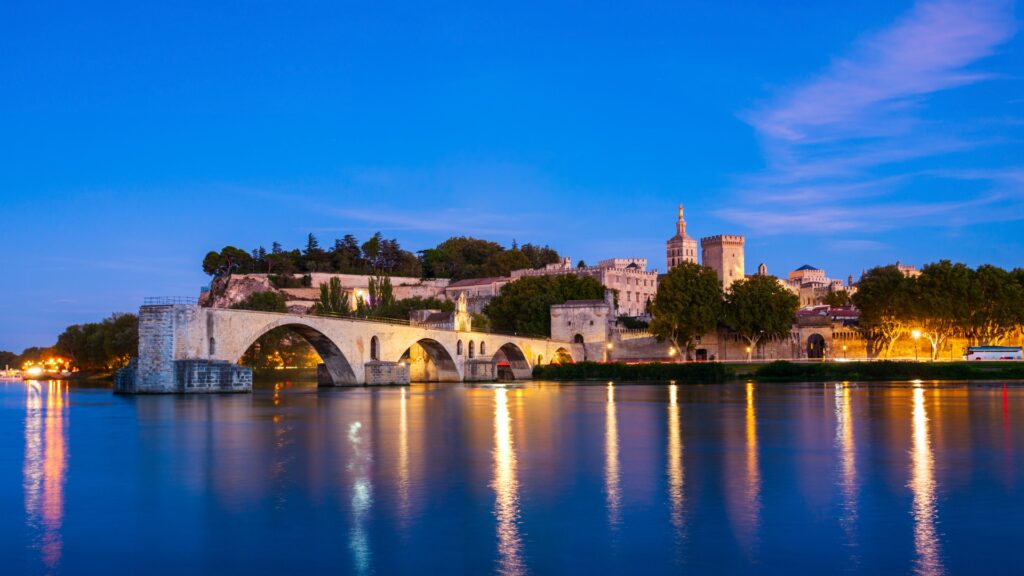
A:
<point x="916" y="335"/>
<point x="748" y="353"/>
<point x="844" y="351"/>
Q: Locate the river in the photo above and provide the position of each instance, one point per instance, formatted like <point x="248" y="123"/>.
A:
<point x="542" y="478"/>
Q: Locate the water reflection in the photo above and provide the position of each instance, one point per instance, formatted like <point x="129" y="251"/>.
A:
<point x="506" y="489"/>
<point x="611" y="459"/>
<point x="845" y="443"/>
<point x="922" y="483"/>
<point x="45" y="467"/>
<point x="403" y="457"/>
<point x="362" y="495"/>
<point x="753" y="467"/>
<point x="675" y="461"/>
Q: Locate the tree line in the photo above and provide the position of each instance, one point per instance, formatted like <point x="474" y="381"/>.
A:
<point x="93" y="346"/>
<point x="984" y="305"/>
<point x="456" y="258"/>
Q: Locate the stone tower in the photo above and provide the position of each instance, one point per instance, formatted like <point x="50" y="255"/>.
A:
<point x="680" y="248"/>
<point x="724" y="255"/>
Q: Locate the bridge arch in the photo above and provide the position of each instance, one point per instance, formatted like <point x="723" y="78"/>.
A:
<point x="510" y="363"/>
<point x="335" y="364"/>
<point x="430" y="361"/>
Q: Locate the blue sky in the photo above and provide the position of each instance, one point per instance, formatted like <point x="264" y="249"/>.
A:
<point x="137" y="137"/>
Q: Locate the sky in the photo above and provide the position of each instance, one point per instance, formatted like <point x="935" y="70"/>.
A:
<point x="136" y="137"/>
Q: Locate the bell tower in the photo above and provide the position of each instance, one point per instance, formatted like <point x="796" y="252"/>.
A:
<point x="680" y="248"/>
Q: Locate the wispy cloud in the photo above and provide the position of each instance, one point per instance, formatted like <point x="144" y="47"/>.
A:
<point x="840" y="147"/>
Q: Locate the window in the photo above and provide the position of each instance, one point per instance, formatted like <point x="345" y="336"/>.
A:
<point x="374" y="348"/>
<point x="471" y="349"/>
<point x="213" y="346"/>
<point x="458" y="348"/>
<point x="483" y="348"/>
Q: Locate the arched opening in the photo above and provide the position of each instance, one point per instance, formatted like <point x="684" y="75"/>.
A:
<point x="483" y="348"/>
<point x="300" y="346"/>
<point x="213" y="346"/>
<point x="374" y="348"/>
<point x="562" y="356"/>
<point x="458" y="348"/>
<point x="510" y="363"/>
<point x="540" y="359"/>
<point x="429" y="361"/>
<point x="578" y="339"/>
<point x="472" y="354"/>
<point x="816" y="346"/>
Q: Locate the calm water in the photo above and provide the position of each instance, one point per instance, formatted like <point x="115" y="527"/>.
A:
<point x="543" y="479"/>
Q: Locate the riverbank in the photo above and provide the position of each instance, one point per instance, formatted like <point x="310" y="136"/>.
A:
<point x="694" y="372"/>
<point x="888" y="370"/>
<point x="781" y="371"/>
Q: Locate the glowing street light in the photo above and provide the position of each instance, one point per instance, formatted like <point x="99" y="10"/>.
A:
<point x="844" y="350"/>
<point x="916" y="335"/>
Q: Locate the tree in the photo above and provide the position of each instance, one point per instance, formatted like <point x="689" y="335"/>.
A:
<point x="381" y="292"/>
<point x="105" y="345"/>
<point x="524" y="307"/>
<point x="333" y="300"/>
<point x="540" y="256"/>
<point x="760" y="307"/>
<point x="314" y="258"/>
<point x="688" y="304"/>
<point x="458" y="257"/>
<point x="268" y="301"/>
<point x="883" y="297"/>
<point x="503" y="263"/>
<point x="9" y="359"/>
<point x="372" y="251"/>
<point x="995" y="303"/>
<point x="228" y="261"/>
<point x="939" y="301"/>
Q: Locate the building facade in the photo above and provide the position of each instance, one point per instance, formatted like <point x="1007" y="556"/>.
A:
<point x="629" y="277"/>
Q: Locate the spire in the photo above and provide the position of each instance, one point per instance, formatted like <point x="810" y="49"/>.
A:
<point x="681" y="222"/>
<point x="680" y="210"/>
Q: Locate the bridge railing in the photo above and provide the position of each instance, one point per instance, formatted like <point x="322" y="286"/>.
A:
<point x="168" y="300"/>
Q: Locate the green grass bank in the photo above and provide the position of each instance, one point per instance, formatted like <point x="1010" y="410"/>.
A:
<point x="888" y="370"/>
<point x="703" y="372"/>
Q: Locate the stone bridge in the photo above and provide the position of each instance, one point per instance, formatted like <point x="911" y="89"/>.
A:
<point x="188" y="348"/>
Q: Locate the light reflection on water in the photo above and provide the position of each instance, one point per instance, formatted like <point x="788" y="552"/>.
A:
<point x="612" y="487"/>
<point x="45" y="466"/>
<point x="544" y="478"/>
<point x="676" y="476"/>
<point x="846" y="444"/>
<point x="506" y="489"/>
<point x="922" y="483"/>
